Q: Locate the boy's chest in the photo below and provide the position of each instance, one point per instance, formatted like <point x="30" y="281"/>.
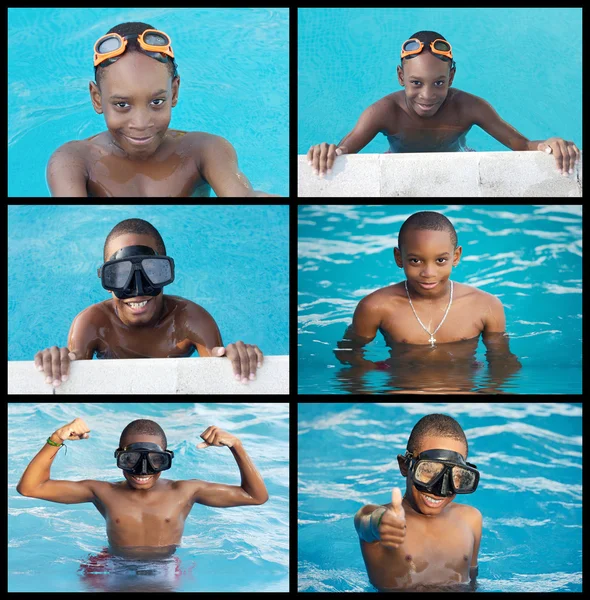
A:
<point x="175" y="176"/>
<point x="462" y="322"/>
<point x="445" y="546"/>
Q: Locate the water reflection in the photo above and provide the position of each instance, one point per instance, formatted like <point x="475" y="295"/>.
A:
<point x="133" y="570"/>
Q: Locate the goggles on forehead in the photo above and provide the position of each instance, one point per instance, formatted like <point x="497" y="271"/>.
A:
<point x="143" y="458"/>
<point x="439" y="47"/>
<point x="153" y="42"/>
<point x="136" y="271"/>
<point x="442" y="472"/>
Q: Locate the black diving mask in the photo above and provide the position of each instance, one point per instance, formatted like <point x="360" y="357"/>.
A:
<point x="136" y="271"/>
<point x="442" y="473"/>
<point x="143" y="458"/>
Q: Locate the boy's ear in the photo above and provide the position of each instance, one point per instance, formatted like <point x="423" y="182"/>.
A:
<point x="403" y="468"/>
<point x="400" y="75"/>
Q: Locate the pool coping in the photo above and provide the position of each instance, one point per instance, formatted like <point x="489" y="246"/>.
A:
<point x="170" y="376"/>
<point x="441" y="174"/>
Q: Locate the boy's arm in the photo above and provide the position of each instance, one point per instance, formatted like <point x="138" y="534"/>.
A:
<point x="218" y="164"/>
<point x="363" y="329"/>
<point x="66" y="172"/>
<point x="370" y="123"/>
<point x="366" y="522"/>
<point x="477" y="522"/>
<point x="35" y="481"/>
<point x="203" y="333"/>
<point x="484" y="115"/>
<point x="252" y="489"/>
<point x="502" y="363"/>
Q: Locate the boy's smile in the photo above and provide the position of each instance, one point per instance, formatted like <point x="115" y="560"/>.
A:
<point x="426" y="80"/>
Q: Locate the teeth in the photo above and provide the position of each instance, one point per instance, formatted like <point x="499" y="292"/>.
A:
<point x="138" y="304"/>
<point x="432" y="500"/>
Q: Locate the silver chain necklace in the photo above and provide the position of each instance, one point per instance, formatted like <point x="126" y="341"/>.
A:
<point x="432" y="339"/>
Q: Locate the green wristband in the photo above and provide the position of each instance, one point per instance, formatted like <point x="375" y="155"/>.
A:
<point x="51" y="443"/>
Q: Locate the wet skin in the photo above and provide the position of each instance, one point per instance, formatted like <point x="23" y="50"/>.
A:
<point x="427" y="256"/>
<point x="427" y="80"/>
<point x="171" y="326"/>
<point x="441" y="544"/>
<point x="136" y="98"/>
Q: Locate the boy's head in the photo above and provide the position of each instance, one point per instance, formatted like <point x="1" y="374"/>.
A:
<point x="139" y="437"/>
<point x="431" y="433"/>
<point x="135" y="91"/>
<point x="427" y="250"/>
<point x="130" y="236"/>
<point x="426" y="75"/>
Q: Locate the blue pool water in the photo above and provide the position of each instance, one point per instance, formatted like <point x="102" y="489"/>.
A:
<point x="231" y="260"/>
<point x="530" y="490"/>
<point x="53" y="547"/>
<point x="507" y="56"/>
<point x="233" y="65"/>
<point x="530" y="257"/>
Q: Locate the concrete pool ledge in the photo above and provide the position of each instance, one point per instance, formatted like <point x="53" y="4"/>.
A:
<point x="440" y="174"/>
<point x="152" y="376"/>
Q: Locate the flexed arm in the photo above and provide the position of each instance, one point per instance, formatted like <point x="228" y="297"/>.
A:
<point x="252" y="489"/>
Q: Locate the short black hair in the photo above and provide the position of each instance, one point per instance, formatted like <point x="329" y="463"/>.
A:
<point x="138" y="226"/>
<point x="144" y="426"/>
<point x="436" y="425"/>
<point x="430" y="220"/>
<point x="132" y="29"/>
<point x="426" y="37"/>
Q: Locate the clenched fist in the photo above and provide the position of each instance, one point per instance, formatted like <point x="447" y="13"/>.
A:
<point x="76" y="430"/>
<point x="392" y="528"/>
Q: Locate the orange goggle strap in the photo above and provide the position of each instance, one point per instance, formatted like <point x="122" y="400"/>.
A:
<point x="99" y="58"/>
<point x="448" y="53"/>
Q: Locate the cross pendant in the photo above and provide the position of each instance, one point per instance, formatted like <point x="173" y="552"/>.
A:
<point x="432" y="340"/>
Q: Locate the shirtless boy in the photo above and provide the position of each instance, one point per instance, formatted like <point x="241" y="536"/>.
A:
<point x="136" y="87"/>
<point x="431" y="324"/>
<point x="144" y="514"/>
<point x="140" y="321"/>
<point x="424" y="539"/>
<point x="430" y="116"/>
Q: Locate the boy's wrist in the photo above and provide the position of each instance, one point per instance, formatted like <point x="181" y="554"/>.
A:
<point x="56" y="439"/>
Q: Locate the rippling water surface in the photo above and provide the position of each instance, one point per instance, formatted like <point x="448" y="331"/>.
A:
<point x="530" y="491"/>
<point x="57" y="547"/>
<point x="530" y="257"/>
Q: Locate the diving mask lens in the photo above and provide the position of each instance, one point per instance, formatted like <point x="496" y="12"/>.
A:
<point x="108" y="44"/>
<point x="411" y="45"/>
<point x="427" y="472"/>
<point x="442" y="46"/>
<point x="156" y="39"/>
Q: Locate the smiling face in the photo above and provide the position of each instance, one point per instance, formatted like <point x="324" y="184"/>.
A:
<point x="126" y="309"/>
<point x="136" y="97"/>
<point x="145" y="482"/>
<point x="427" y="258"/>
<point x="426" y="80"/>
<point x="429" y="505"/>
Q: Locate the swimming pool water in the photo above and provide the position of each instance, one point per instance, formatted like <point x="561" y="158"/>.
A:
<point x="234" y="70"/>
<point x="530" y="490"/>
<point x="231" y="260"/>
<point x="530" y="257"/>
<point x="52" y="547"/>
<point x="347" y="59"/>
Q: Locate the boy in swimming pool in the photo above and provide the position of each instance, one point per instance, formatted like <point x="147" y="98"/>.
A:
<point x="425" y="539"/>
<point x="430" y="116"/>
<point x="144" y="514"/>
<point x="137" y="85"/>
<point x="431" y="323"/>
<point x="140" y="321"/>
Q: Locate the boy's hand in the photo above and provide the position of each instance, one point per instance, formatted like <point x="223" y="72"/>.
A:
<point x="245" y="358"/>
<point x="392" y="529"/>
<point x="566" y="153"/>
<point x="321" y="157"/>
<point x="55" y="363"/>
<point x="76" y="430"/>
<point x="214" y="436"/>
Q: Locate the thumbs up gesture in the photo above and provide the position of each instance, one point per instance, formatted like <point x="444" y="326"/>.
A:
<point x="392" y="528"/>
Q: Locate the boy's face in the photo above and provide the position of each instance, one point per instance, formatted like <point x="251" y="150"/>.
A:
<point x="136" y="98"/>
<point x="426" y="80"/>
<point x="153" y="308"/>
<point x="415" y="497"/>
<point x="133" y="479"/>
<point x="427" y="257"/>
